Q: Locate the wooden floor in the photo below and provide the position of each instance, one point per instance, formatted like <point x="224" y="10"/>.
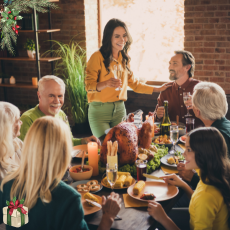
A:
<point x="2" y="226"/>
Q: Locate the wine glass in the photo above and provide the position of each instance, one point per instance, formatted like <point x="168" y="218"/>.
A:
<point x="111" y="173"/>
<point x="117" y="74"/>
<point x="174" y="134"/>
<point x="186" y="97"/>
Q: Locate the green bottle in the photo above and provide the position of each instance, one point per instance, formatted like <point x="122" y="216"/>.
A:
<point x="165" y="125"/>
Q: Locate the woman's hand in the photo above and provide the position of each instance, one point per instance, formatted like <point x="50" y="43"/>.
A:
<point x="114" y="83"/>
<point x="156" y="211"/>
<point x="111" y="83"/>
<point x="111" y="206"/>
<point x="173" y="179"/>
<point x="163" y="87"/>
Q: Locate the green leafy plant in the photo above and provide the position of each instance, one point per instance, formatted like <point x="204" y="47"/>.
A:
<point x="30" y="44"/>
<point x="72" y="69"/>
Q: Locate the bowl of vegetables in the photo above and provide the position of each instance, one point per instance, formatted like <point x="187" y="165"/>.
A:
<point x="76" y="174"/>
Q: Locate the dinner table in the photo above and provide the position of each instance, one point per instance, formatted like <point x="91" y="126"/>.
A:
<point x="132" y="217"/>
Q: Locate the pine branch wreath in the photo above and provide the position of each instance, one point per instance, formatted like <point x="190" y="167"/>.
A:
<point x="10" y="15"/>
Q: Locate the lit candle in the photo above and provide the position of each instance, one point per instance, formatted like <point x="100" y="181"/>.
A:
<point x="93" y="156"/>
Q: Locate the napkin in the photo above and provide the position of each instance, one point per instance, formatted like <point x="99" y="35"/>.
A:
<point x="131" y="202"/>
<point x="168" y="169"/>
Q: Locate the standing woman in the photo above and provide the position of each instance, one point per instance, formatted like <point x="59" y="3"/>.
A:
<point x="209" y="206"/>
<point x="106" y="104"/>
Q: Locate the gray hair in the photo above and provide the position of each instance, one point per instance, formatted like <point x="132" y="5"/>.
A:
<point x="211" y="100"/>
<point x="48" y="78"/>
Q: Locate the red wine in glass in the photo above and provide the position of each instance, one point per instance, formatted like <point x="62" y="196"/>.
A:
<point x="141" y="168"/>
<point x="189" y="124"/>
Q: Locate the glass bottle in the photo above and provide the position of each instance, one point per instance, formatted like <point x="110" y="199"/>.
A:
<point x="165" y="125"/>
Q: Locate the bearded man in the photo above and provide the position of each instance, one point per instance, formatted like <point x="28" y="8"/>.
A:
<point x="181" y="69"/>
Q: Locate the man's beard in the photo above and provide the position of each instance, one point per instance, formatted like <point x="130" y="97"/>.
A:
<point x="173" y="76"/>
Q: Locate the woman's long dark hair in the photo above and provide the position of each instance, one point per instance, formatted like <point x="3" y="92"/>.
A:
<point x="212" y="159"/>
<point x="106" y="48"/>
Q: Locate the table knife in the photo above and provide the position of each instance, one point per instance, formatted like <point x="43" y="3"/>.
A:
<point x="152" y="177"/>
<point x="99" y="206"/>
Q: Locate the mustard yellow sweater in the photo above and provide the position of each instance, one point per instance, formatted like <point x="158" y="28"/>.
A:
<point x="207" y="209"/>
<point x="96" y="72"/>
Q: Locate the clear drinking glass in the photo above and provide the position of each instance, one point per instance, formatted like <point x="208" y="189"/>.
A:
<point x="174" y="135"/>
<point x="186" y="97"/>
<point x="111" y="173"/>
<point x="117" y="72"/>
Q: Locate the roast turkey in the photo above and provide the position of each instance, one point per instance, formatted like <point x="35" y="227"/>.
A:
<point x="129" y="137"/>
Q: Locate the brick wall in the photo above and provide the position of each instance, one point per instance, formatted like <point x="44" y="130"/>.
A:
<point x="207" y="36"/>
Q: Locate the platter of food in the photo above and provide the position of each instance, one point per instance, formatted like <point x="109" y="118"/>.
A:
<point x="124" y="180"/>
<point x="183" y="139"/>
<point x="152" y="190"/>
<point x="84" y="186"/>
<point x="163" y="140"/>
<point x="172" y="160"/>
<point x="88" y="207"/>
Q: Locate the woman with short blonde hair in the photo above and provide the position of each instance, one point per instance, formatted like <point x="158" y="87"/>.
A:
<point x="10" y="145"/>
<point x="211" y="100"/>
<point x="46" y="155"/>
<point x="210" y="106"/>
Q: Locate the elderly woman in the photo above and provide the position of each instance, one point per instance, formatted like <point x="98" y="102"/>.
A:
<point x="210" y="106"/>
<point x="10" y="144"/>
<point x="51" y="203"/>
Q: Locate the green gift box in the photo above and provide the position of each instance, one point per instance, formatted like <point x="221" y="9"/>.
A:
<point x="17" y="219"/>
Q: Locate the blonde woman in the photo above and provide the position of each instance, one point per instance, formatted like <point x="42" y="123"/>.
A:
<point x="52" y="204"/>
<point x="10" y="144"/>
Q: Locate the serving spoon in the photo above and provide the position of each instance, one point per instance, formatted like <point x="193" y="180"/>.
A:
<point x="82" y="161"/>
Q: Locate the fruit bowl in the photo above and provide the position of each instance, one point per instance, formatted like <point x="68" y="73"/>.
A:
<point x="81" y="176"/>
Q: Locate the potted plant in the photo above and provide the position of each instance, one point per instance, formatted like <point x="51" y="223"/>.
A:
<point x="30" y="47"/>
<point x="72" y="69"/>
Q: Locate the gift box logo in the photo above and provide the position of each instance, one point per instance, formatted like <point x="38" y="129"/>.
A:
<point x="15" y="214"/>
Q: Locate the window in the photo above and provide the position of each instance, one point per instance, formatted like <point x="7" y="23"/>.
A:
<point x="157" y="29"/>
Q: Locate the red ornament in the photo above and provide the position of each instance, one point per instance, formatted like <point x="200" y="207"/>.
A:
<point x="7" y="18"/>
<point x="16" y="31"/>
<point x="9" y="12"/>
<point x="13" y="28"/>
<point x="17" y="26"/>
<point x="15" y="18"/>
